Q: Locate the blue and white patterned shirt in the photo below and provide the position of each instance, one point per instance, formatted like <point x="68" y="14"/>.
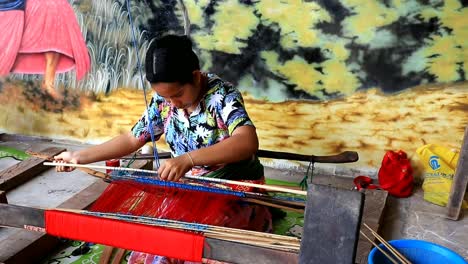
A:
<point x="219" y="113"/>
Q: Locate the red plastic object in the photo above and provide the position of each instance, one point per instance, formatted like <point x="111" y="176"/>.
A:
<point x="396" y="174"/>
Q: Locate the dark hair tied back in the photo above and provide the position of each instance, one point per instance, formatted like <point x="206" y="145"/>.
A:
<point x="171" y="59"/>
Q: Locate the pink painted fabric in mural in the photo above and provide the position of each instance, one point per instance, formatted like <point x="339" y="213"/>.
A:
<point x="49" y="25"/>
<point x="11" y="31"/>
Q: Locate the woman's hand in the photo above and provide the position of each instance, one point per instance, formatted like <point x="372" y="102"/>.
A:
<point x="173" y="169"/>
<point x="67" y="157"/>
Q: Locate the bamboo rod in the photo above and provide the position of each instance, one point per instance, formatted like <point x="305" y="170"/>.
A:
<point x="223" y="230"/>
<point x="379" y="248"/>
<point x="98" y="167"/>
<point x="247" y="239"/>
<point x="253" y="200"/>
<point x="248" y="184"/>
<point x="266" y="245"/>
<point x="388" y="246"/>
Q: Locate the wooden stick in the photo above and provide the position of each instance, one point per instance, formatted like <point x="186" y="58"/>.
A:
<point x="98" y="167"/>
<point x="225" y="230"/>
<point x="98" y="174"/>
<point x="255" y="243"/>
<point x="106" y="255"/>
<point x="248" y="184"/>
<point x="252" y="239"/>
<point x="380" y="249"/>
<point x="388" y="245"/>
<point x="118" y="256"/>
<point x="260" y="202"/>
<point x="344" y="157"/>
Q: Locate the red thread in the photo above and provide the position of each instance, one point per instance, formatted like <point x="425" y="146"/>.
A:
<point x="149" y="239"/>
<point x="242" y="188"/>
<point x="129" y="197"/>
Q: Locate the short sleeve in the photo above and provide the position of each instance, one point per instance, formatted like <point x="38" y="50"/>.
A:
<point x="233" y="111"/>
<point x="141" y="129"/>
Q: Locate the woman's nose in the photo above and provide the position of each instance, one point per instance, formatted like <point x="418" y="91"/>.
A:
<point x="176" y="103"/>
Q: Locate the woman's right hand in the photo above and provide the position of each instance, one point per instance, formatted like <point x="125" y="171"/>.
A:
<point x="67" y="157"/>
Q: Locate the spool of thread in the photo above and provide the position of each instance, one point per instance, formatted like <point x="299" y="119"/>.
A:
<point x="112" y="163"/>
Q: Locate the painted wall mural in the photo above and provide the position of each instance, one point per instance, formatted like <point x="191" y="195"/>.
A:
<point x="318" y="77"/>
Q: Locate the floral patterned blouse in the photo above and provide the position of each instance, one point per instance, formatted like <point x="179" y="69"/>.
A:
<point x="219" y="113"/>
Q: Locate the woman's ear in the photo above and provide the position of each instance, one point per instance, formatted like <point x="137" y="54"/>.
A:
<point x="197" y="77"/>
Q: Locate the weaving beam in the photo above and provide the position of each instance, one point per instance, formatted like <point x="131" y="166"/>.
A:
<point x="34" y="219"/>
<point x="249" y="197"/>
<point x="200" y="178"/>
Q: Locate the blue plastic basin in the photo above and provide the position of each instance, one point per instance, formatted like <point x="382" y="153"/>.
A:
<point x="418" y="252"/>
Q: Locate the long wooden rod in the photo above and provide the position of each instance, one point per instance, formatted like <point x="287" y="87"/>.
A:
<point x="393" y="250"/>
<point x="344" y="157"/>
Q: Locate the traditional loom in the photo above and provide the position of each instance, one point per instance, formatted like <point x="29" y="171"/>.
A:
<point x="330" y="232"/>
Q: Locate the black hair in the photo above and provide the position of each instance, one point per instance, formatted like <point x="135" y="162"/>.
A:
<point x="171" y="59"/>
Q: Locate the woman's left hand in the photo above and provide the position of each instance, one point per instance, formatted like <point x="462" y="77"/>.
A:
<point x="173" y="169"/>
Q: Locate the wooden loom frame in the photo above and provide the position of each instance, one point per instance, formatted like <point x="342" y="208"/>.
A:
<point x="27" y="169"/>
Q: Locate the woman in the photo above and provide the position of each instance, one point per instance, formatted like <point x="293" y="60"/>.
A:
<point x="204" y="122"/>
<point x="44" y="39"/>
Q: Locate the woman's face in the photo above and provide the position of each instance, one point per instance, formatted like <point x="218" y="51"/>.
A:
<point x="179" y="95"/>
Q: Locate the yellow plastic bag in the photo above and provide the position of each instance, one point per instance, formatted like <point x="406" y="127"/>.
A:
<point x="439" y="168"/>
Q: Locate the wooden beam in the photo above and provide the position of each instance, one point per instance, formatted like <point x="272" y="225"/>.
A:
<point x="233" y="252"/>
<point x="331" y="225"/>
<point x="23" y="138"/>
<point x="374" y="207"/>
<point x="344" y="157"/>
<point x="25" y="170"/>
<point x="460" y="182"/>
<point x="375" y="201"/>
<point x="215" y="249"/>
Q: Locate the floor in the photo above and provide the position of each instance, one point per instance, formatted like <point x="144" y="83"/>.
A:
<point x="417" y="219"/>
<point x="409" y="218"/>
